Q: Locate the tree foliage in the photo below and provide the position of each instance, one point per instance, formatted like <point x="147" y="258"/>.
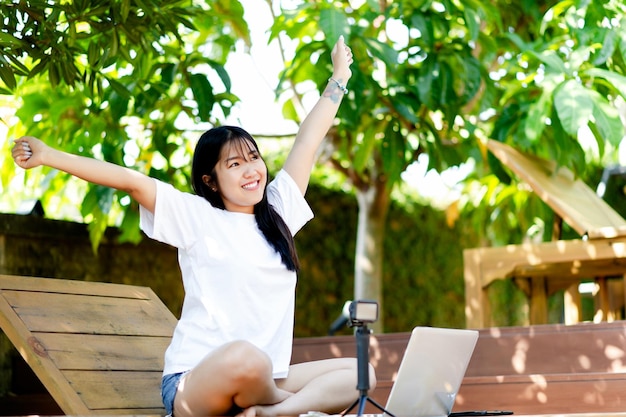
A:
<point x="559" y="89"/>
<point x="119" y="80"/>
<point x="124" y="80"/>
<point x="439" y="77"/>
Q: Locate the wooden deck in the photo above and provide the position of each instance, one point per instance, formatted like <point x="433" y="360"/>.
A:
<point x="97" y="350"/>
<point x="534" y="370"/>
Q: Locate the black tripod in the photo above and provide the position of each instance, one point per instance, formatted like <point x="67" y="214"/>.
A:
<point x="363" y="383"/>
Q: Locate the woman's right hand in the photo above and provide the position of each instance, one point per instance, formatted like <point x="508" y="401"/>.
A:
<point x="27" y="152"/>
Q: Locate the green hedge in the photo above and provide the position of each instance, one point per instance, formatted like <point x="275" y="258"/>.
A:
<point x="423" y="266"/>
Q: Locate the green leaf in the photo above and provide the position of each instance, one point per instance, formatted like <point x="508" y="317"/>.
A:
<point x="119" y="88"/>
<point x="472" y="21"/>
<point x="573" y="105"/>
<point x="425" y="81"/>
<point x="364" y="149"/>
<point x="223" y="74"/>
<point x="552" y="61"/>
<point x="392" y="151"/>
<point x="53" y="75"/>
<point x="333" y="23"/>
<point x="93" y="54"/>
<point x="618" y="81"/>
<point x="406" y="106"/>
<point x="611" y="37"/>
<point x="33" y="104"/>
<point x="7" y="76"/>
<point x="203" y="93"/>
<point x="607" y="120"/>
<point x="425" y="27"/>
<point x="382" y="51"/>
<point x="11" y="41"/>
<point x="498" y="169"/>
<point x="538" y="113"/>
<point x="517" y="41"/>
<point x="96" y="228"/>
<point x="18" y="67"/>
<point x="119" y="106"/>
<point x="97" y="199"/>
<point x="289" y="111"/>
<point x="131" y="232"/>
<point x="125" y="10"/>
<point x="471" y="78"/>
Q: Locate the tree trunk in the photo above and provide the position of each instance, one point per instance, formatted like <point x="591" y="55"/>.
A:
<point x="368" y="269"/>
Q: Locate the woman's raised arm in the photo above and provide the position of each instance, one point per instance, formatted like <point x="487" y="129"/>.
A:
<point x="29" y="152"/>
<point x="317" y="123"/>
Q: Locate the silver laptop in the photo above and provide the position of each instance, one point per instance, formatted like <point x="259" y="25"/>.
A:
<point x="431" y="372"/>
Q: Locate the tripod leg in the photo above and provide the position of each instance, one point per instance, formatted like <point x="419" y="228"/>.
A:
<point x="361" y="405"/>
<point x="361" y="402"/>
<point x="380" y="407"/>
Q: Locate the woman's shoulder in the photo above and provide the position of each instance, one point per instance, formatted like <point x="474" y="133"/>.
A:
<point x="168" y="194"/>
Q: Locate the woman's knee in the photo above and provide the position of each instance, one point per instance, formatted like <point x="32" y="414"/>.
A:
<point x="246" y="361"/>
<point x="371" y="372"/>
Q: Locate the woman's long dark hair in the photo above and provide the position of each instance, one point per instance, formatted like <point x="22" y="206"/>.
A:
<point x="206" y="156"/>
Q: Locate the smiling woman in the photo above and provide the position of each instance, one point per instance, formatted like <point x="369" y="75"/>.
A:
<point x="231" y="349"/>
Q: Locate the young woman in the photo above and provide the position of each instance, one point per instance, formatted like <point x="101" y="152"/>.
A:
<point x="230" y="352"/>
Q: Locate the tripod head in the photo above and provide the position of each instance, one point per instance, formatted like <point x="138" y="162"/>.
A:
<point x="362" y="312"/>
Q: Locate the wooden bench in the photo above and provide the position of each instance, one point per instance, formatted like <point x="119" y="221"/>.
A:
<point x="543" y="369"/>
<point x="96" y="347"/>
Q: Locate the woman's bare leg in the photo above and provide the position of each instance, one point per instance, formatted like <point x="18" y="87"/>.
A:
<point x="237" y="375"/>
<point x="328" y="386"/>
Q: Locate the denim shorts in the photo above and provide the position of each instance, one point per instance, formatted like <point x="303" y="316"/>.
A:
<point x="169" y="385"/>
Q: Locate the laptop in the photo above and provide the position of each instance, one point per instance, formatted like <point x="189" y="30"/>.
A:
<point x="431" y="372"/>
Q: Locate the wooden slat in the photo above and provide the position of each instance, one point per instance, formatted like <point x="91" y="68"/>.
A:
<point x="112" y="353"/>
<point x="68" y="286"/>
<point x="75" y="313"/>
<point x="565" y="271"/>
<point x="545" y="394"/>
<point x="532" y="394"/>
<point x="550" y="349"/>
<point x="568" y="196"/>
<point x="117" y="389"/>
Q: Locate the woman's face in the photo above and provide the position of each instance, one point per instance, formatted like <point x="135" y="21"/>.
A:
<point x="241" y="177"/>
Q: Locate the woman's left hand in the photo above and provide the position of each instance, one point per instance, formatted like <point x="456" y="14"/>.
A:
<point x="341" y="57"/>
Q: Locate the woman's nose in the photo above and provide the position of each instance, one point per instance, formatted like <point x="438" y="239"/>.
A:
<point x="249" y="169"/>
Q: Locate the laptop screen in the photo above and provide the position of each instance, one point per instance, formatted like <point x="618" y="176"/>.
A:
<point x="431" y="372"/>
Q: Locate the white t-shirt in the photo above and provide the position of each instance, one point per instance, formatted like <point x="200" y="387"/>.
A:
<point x="236" y="286"/>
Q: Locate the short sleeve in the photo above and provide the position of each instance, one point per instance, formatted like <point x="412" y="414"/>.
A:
<point x="177" y="215"/>
<point x="287" y="199"/>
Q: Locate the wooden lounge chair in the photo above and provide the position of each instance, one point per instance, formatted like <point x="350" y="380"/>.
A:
<point x="97" y="347"/>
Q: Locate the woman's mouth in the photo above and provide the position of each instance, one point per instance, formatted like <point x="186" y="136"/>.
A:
<point x="251" y="185"/>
